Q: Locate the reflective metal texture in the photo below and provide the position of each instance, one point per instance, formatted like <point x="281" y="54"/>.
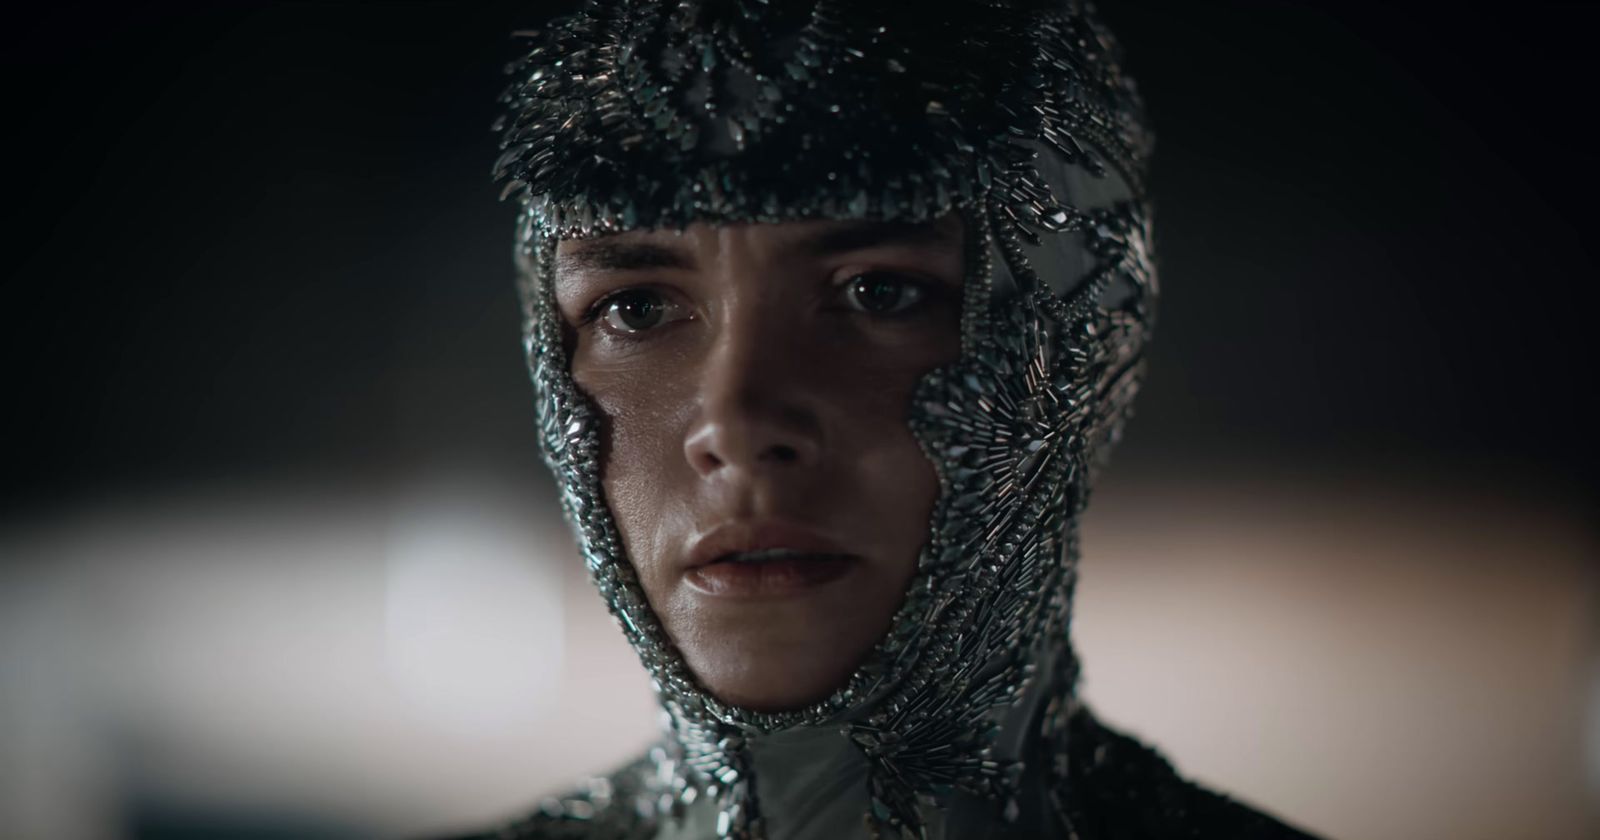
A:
<point x="631" y="113"/>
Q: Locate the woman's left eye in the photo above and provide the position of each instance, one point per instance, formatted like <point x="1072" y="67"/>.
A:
<point x="882" y="293"/>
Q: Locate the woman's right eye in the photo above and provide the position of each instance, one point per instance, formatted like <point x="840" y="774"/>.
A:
<point x="636" y="310"/>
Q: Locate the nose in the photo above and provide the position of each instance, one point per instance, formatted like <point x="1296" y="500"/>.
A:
<point x="754" y="415"/>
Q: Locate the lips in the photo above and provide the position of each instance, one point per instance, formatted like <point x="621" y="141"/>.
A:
<point x="764" y="558"/>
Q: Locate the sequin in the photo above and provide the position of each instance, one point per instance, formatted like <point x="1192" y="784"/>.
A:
<point x="630" y="114"/>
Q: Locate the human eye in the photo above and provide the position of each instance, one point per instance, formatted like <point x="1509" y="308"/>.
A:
<point x="882" y="292"/>
<point x="635" y="310"/>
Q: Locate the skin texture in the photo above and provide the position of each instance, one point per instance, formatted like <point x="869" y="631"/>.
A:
<point x="761" y="373"/>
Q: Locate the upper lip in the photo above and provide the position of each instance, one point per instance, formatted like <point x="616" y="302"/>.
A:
<point x="739" y="536"/>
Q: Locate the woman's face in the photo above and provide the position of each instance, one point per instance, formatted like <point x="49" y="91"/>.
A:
<point x="754" y="382"/>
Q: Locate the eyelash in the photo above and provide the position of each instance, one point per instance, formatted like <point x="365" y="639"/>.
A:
<point x="928" y="289"/>
<point x="597" y="308"/>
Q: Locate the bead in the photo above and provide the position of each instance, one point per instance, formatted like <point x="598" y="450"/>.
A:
<point x="609" y="127"/>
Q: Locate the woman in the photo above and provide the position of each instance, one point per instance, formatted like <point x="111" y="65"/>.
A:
<point x="832" y="311"/>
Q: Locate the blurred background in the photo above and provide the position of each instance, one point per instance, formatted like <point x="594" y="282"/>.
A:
<point x="278" y="558"/>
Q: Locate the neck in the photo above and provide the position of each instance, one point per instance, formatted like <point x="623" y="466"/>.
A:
<point x="814" y="782"/>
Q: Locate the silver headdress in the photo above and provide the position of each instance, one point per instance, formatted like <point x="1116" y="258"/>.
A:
<point x="645" y="113"/>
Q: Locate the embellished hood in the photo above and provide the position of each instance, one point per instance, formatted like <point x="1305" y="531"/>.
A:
<point x="640" y="113"/>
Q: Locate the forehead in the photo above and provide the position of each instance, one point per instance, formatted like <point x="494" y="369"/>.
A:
<point x="672" y="247"/>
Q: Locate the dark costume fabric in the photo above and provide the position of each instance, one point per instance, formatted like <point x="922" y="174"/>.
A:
<point x="964" y="722"/>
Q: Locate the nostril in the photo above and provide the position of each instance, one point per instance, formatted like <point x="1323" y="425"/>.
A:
<point x="748" y="445"/>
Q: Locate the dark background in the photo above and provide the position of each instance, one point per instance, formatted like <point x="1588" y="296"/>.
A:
<point x="252" y="239"/>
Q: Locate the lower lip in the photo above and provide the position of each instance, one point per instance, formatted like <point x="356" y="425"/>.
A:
<point x="769" y="578"/>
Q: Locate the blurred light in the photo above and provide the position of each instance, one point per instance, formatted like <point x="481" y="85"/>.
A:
<point x="474" y="629"/>
<point x="1592" y="728"/>
<point x="348" y="663"/>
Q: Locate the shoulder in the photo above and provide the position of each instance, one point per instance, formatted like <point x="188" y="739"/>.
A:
<point x="1120" y="789"/>
<point x="617" y="806"/>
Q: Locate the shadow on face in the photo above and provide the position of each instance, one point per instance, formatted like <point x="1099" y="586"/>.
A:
<point x="754" y="382"/>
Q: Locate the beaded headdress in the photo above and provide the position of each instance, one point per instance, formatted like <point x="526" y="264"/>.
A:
<point x="644" y="113"/>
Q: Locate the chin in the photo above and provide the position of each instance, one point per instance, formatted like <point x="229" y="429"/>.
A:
<point x="764" y="697"/>
<point x="786" y="653"/>
<point x="778" y="678"/>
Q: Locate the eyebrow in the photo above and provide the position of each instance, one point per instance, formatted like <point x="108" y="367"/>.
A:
<point x="603" y="255"/>
<point x="859" y="236"/>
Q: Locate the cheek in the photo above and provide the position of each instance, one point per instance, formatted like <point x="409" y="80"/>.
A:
<point x="641" y="461"/>
<point x="897" y="484"/>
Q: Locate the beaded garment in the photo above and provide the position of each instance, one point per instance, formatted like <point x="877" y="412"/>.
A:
<point x="963" y="722"/>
